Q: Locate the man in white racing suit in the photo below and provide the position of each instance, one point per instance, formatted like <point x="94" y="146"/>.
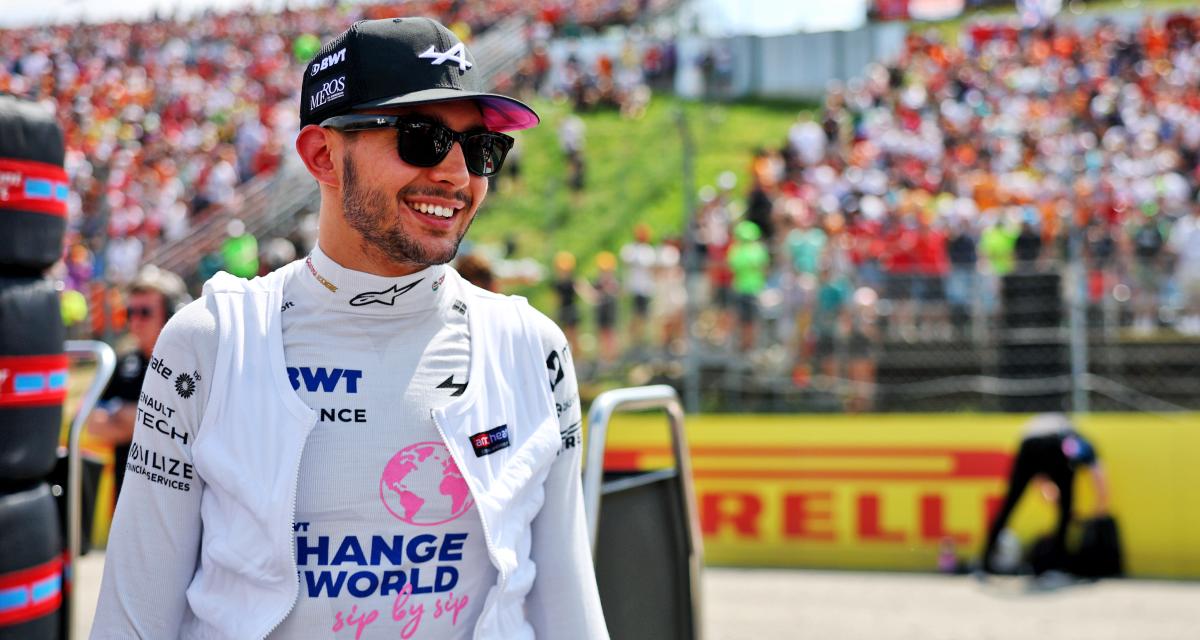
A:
<point x="362" y="444"/>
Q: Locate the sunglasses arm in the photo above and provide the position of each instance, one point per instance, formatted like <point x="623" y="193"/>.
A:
<point x="360" y="122"/>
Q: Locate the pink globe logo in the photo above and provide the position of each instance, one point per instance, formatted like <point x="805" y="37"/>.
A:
<point x="422" y="486"/>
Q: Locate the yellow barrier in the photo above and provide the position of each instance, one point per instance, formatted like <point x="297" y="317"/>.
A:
<point x="887" y="491"/>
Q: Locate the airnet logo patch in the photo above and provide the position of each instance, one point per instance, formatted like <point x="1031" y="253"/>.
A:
<point x="490" y="441"/>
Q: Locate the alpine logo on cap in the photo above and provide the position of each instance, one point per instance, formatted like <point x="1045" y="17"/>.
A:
<point x="457" y="53"/>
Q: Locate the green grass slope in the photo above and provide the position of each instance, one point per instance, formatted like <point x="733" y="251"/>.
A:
<point x="634" y="174"/>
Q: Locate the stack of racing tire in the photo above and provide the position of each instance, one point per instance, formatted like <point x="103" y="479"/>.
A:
<point x="33" y="370"/>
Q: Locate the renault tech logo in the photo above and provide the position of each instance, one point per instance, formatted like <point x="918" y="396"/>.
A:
<point x="457" y="53"/>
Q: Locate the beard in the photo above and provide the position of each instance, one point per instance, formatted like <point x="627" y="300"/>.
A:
<point x="367" y="211"/>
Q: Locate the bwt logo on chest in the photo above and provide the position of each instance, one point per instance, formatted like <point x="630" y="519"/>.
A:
<point x="324" y="379"/>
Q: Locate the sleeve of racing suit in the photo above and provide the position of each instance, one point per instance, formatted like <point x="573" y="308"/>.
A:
<point x="154" y="541"/>
<point x="564" y="601"/>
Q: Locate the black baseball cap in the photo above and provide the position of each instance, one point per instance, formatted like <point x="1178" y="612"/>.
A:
<point x="400" y="61"/>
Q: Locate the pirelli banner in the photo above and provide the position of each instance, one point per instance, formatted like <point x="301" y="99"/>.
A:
<point x="897" y="491"/>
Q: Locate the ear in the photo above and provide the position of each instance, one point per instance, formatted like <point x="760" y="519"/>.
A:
<point x="313" y="145"/>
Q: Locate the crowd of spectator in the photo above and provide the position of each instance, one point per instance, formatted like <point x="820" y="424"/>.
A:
<point x="167" y="117"/>
<point x="894" y="210"/>
<point x="897" y="209"/>
<point x="610" y="74"/>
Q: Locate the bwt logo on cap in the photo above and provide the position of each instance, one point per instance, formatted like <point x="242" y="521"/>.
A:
<point x="328" y="61"/>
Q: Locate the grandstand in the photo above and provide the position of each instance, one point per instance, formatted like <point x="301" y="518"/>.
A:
<point x="926" y="178"/>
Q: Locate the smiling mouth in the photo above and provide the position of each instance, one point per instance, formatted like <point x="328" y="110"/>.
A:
<point x="432" y="209"/>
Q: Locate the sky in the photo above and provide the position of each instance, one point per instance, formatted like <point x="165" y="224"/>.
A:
<point x="721" y="17"/>
<point x="774" y="17"/>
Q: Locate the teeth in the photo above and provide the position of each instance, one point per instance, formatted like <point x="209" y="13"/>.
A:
<point x="432" y="209"/>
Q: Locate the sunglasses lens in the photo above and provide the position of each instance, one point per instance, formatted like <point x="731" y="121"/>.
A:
<point x="426" y="144"/>
<point x="423" y="144"/>
<point x="485" y="153"/>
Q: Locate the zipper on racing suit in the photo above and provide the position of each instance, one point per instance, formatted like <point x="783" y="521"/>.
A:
<point x="292" y="538"/>
<point x="487" y="535"/>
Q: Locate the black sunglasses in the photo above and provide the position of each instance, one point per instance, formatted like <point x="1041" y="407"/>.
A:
<point x="425" y="144"/>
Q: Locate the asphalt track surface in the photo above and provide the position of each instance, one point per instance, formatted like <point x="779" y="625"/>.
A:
<point x="758" y="604"/>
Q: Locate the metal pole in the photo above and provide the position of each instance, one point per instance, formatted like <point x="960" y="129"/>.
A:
<point x="106" y="363"/>
<point x="1077" y="287"/>
<point x="638" y="399"/>
<point x="658" y="396"/>
<point x="691" y="268"/>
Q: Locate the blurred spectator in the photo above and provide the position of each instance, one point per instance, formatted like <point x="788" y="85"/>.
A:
<point x="962" y="283"/>
<point x="749" y="261"/>
<point x="511" y="176"/>
<point x="1184" y="243"/>
<point x="862" y="349"/>
<point x="1050" y="453"/>
<point x="566" y="289"/>
<point x="275" y="253"/>
<point x="571" y="140"/>
<point x="607" y="293"/>
<point x="1148" y="243"/>
<point x="807" y="140"/>
<point x="931" y="265"/>
<point x="997" y="245"/>
<point x="713" y="238"/>
<point x="220" y="181"/>
<point x="641" y="260"/>
<point x="153" y="298"/>
<point x="767" y="169"/>
<point x="671" y="297"/>
<point x="476" y="269"/>
<point x="805" y="244"/>
<point x="239" y="252"/>
<point x="1028" y="246"/>
<point x="829" y="337"/>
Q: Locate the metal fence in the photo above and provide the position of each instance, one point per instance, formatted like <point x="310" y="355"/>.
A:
<point x="1041" y="338"/>
<point x="794" y="66"/>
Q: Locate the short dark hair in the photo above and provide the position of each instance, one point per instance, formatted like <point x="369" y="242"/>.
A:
<point x="151" y="279"/>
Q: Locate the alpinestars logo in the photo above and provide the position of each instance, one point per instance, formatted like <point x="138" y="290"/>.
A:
<point x="449" y="383"/>
<point x="185" y="384"/>
<point x="387" y="296"/>
<point x="457" y="53"/>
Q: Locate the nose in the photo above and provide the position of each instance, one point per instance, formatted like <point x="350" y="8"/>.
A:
<point x="452" y="170"/>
